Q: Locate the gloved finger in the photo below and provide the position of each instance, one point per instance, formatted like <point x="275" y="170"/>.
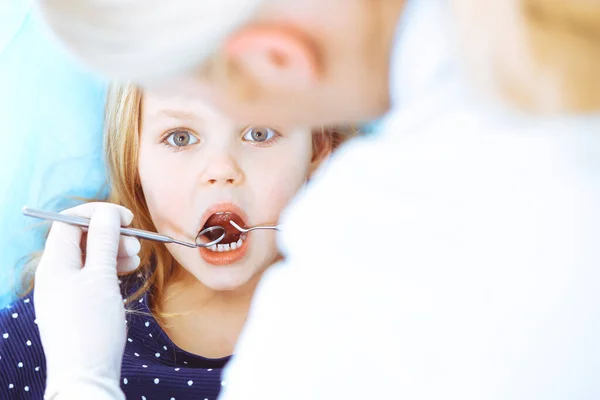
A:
<point x="128" y="247"/>
<point x="62" y="253"/>
<point x="104" y="236"/>
<point x="127" y="264"/>
<point x="88" y="209"/>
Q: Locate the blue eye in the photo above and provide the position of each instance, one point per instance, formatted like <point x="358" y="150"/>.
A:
<point x="259" y="134"/>
<point x="181" y="139"/>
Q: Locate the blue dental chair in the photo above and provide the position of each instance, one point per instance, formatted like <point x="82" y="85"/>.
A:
<point x="51" y="136"/>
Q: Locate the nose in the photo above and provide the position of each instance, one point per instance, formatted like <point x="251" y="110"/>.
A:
<point x="223" y="170"/>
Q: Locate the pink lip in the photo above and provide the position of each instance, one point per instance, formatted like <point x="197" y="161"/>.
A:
<point x="229" y="257"/>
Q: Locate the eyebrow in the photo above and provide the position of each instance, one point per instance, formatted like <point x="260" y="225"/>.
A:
<point x="178" y="114"/>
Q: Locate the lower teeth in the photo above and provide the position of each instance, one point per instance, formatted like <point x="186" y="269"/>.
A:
<point x="221" y="248"/>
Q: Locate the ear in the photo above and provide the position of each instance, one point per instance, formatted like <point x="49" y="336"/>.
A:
<point x="322" y="148"/>
<point x="274" y="56"/>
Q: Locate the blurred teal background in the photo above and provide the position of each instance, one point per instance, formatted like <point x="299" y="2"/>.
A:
<point x="50" y="131"/>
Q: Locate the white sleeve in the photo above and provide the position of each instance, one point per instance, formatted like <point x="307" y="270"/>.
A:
<point x="461" y="264"/>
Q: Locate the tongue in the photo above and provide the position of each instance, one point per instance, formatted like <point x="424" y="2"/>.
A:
<point x="222" y="219"/>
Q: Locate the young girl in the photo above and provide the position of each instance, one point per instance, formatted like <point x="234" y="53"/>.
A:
<point x="179" y="166"/>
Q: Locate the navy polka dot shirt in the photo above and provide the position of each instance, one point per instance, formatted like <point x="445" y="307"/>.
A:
<point x="153" y="366"/>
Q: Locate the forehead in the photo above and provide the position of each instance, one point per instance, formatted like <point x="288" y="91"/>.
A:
<point x="170" y="106"/>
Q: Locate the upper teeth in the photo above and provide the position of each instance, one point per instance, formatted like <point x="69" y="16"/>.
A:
<point x="227" y="247"/>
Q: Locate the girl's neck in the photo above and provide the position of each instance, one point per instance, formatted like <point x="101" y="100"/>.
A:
<point x="201" y="320"/>
<point x="182" y="285"/>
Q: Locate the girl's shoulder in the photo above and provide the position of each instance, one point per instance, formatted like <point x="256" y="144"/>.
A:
<point x="19" y="318"/>
<point x="22" y="361"/>
<point x="133" y="284"/>
<point x="134" y="290"/>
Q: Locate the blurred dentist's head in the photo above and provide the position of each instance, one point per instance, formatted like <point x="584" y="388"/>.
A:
<point x="309" y="62"/>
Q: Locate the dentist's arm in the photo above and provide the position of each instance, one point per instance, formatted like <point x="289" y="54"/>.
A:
<point x="79" y="307"/>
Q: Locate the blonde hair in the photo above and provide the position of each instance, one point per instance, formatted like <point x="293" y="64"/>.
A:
<point x="542" y="55"/>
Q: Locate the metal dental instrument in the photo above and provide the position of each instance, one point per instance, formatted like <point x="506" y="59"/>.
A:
<point x="246" y="230"/>
<point x="85" y="223"/>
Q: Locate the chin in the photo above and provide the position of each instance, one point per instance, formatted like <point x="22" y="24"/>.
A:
<point x="224" y="278"/>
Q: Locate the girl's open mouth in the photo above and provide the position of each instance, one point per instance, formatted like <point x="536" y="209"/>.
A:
<point x="233" y="247"/>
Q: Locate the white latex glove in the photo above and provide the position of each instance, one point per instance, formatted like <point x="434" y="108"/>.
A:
<point x="78" y="303"/>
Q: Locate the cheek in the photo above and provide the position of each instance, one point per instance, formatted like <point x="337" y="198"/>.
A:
<point x="165" y="191"/>
<point x="275" y="185"/>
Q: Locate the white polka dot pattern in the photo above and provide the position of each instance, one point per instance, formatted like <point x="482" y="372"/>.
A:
<point x="153" y="366"/>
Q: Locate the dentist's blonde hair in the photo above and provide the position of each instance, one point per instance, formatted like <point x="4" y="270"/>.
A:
<point x="542" y="55"/>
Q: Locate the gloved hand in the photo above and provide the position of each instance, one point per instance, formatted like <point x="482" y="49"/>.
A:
<point x="79" y="308"/>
